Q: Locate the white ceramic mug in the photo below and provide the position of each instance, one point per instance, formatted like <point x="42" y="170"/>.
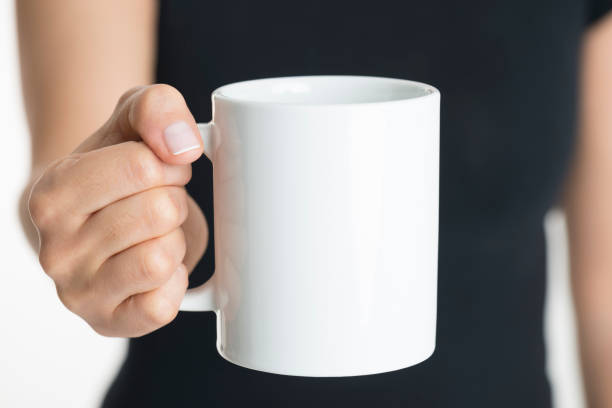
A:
<point x="326" y="224"/>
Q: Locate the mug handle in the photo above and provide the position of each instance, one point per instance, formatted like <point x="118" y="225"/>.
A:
<point x="203" y="298"/>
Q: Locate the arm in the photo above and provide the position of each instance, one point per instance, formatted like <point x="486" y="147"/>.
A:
<point x="77" y="58"/>
<point x="588" y="204"/>
<point x="116" y="230"/>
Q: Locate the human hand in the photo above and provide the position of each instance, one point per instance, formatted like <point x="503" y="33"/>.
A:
<point x="118" y="232"/>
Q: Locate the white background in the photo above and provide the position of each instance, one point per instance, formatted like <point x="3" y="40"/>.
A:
<point x="50" y="358"/>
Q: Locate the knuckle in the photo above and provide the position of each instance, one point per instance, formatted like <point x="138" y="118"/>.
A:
<point x="158" y="94"/>
<point x="144" y="168"/>
<point x="168" y="207"/>
<point x="46" y="190"/>
<point x="40" y="203"/>
<point x="101" y="329"/>
<point x="60" y="261"/>
<point x="157" y="265"/>
<point x="72" y="300"/>
<point x="127" y="94"/>
<point x="102" y="323"/>
<point x="50" y="261"/>
<point x="160" y="311"/>
<point x="40" y="208"/>
<point x="153" y="99"/>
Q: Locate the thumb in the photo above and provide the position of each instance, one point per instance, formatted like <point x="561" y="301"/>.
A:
<point x="156" y="114"/>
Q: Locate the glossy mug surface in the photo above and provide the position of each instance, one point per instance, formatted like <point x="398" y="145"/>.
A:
<point x="326" y="224"/>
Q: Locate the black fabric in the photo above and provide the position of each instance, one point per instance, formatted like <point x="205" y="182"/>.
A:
<point x="507" y="74"/>
<point x="598" y="8"/>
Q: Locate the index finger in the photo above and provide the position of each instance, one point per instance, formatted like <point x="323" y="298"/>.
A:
<point x="90" y="181"/>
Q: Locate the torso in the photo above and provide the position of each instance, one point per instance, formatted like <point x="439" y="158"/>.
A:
<point x="507" y="74"/>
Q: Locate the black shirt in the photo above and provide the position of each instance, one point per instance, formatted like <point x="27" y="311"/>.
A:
<point x="507" y="73"/>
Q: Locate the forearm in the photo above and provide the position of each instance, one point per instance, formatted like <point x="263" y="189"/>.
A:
<point x="591" y="276"/>
<point x="594" y="314"/>
<point x="77" y="58"/>
<point x="588" y="204"/>
<point x="589" y="213"/>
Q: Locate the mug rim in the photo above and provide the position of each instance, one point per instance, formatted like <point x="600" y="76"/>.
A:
<point x="428" y="91"/>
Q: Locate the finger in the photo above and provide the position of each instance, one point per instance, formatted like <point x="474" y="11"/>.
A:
<point x="140" y="268"/>
<point x="133" y="220"/>
<point x="156" y="114"/>
<point x="195" y="229"/>
<point x="85" y="183"/>
<point x="141" y="314"/>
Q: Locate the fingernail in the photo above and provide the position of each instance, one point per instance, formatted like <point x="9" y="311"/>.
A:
<point x="179" y="138"/>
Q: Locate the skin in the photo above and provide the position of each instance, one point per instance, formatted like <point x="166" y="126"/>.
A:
<point x="113" y="225"/>
<point x="106" y="208"/>
<point x="588" y="205"/>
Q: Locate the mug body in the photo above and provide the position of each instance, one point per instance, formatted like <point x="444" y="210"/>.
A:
<point x="326" y="223"/>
